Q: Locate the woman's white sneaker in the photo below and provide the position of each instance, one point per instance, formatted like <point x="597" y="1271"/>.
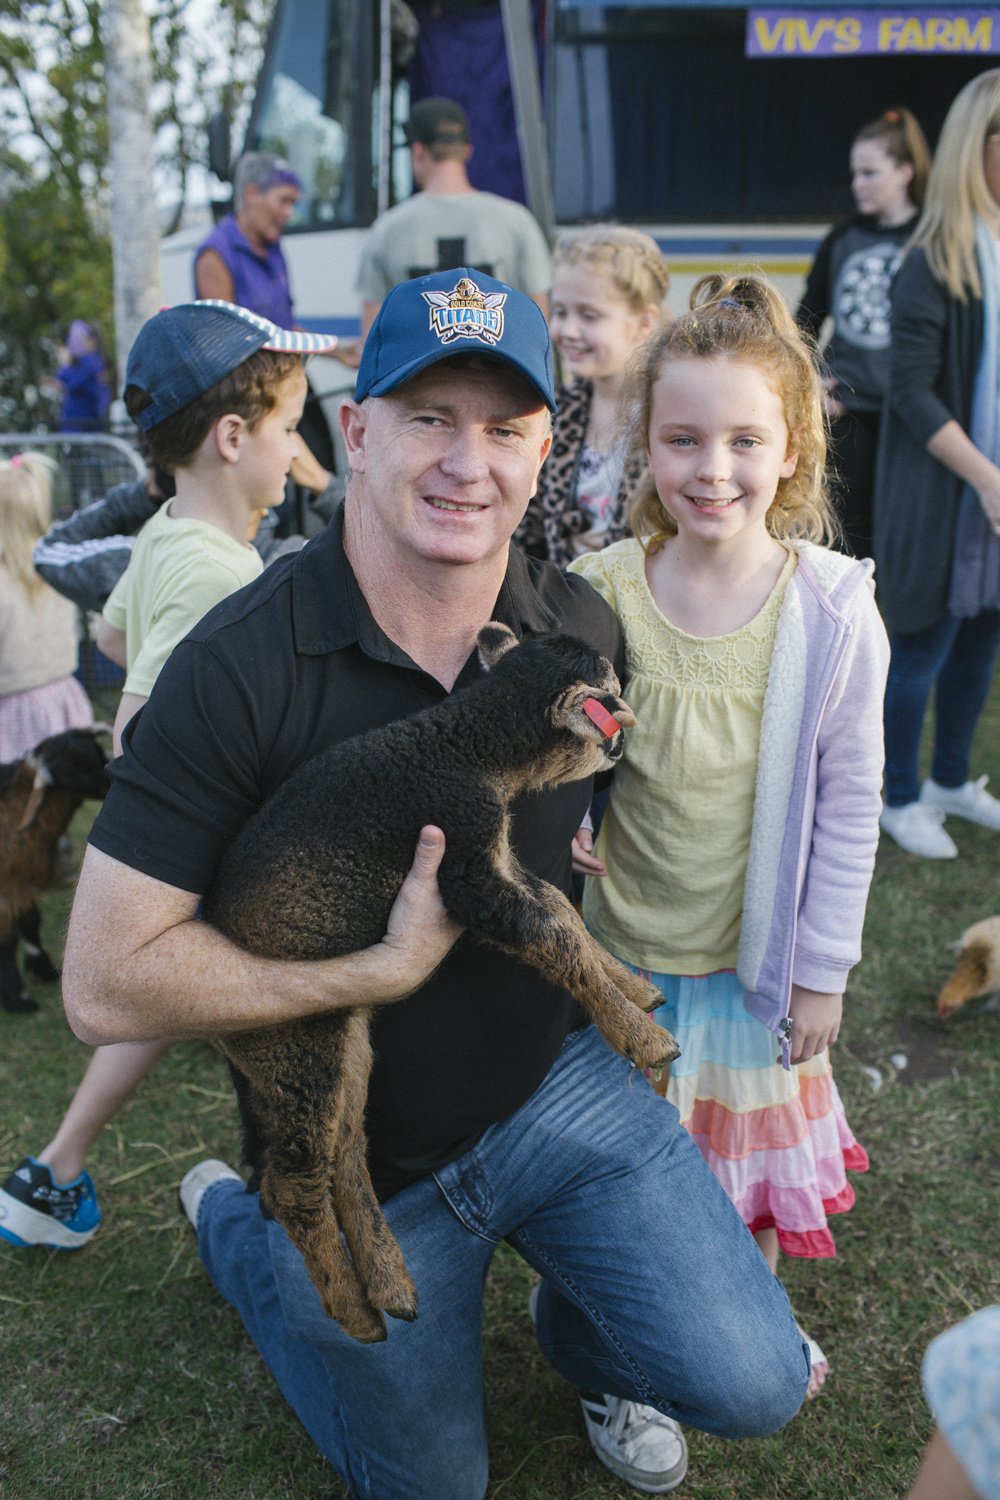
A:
<point x="916" y="827"/>
<point x="971" y="801"/>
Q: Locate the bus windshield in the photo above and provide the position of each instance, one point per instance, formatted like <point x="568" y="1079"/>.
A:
<point x="314" y="106"/>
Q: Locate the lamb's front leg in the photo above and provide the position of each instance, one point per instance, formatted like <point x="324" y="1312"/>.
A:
<point x="643" y="994"/>
<point x="530" y="919"/>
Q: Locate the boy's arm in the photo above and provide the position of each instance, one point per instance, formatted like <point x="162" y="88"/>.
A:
<point x="129" y="705"/>
<point x="84" y="556"/>
<point x="111" y="642"/>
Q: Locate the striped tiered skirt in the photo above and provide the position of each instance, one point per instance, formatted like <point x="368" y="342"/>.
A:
<point x="777" y="1140"/>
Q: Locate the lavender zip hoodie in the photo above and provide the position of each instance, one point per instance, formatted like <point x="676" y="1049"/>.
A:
<point x="818" y="793"/>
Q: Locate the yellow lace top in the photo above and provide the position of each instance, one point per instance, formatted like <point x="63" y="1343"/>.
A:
<point x="676" y="834"/>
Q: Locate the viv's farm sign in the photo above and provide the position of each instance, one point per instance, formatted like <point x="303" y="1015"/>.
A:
<point x="833" y="33"/>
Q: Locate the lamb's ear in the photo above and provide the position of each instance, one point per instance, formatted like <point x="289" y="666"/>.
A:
<point x="494" y="641"/>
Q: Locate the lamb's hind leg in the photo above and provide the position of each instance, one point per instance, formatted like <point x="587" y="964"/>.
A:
<point x="535" y="922"/>
<point x="378" y="1259"/>
<point x="299" y="1198"/>
<point x="296" y="1112"/>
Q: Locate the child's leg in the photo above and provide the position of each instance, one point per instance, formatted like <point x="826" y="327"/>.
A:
<point x="767" y="1244"/>
<point x="49" y="1199"/>
<point x="112" y="1075"/>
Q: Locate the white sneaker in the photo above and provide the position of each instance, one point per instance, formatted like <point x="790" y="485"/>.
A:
<point x="638" y="1443"/>
<point x="916" y="827"/>
<point x="971" y="801"/>
<point x="194" y="1184"/>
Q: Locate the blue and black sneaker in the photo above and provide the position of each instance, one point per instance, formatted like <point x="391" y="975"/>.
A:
<point x="34" y="1210"/>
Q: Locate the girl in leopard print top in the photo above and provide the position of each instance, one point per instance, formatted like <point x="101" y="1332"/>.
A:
<point x="607" y="297"/>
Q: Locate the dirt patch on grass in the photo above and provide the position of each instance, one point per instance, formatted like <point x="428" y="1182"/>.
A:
<point x="928" y="1047"/>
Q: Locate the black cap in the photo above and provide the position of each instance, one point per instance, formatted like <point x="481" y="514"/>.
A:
<point x="437" y="122"/>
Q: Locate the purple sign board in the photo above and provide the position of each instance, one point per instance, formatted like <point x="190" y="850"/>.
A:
<point x="882" y="33"/>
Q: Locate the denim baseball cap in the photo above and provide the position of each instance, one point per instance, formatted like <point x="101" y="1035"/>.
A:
<point x="454" y="312"/>
<point x="183" y="351"/>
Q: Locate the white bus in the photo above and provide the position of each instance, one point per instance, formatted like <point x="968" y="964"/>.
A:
<point x="638" y="112"/>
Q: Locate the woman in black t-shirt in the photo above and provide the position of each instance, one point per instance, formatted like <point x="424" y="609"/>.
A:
<point x="849" y="283"/>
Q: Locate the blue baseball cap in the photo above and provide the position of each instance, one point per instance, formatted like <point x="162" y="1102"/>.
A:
<point x="454" y="312"/>
<point x="183" y="351"/>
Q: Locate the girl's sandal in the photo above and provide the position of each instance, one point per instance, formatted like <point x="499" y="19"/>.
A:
<point x="819" y="1365"/>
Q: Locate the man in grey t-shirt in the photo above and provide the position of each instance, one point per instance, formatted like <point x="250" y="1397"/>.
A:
<point x="449" y="223"/>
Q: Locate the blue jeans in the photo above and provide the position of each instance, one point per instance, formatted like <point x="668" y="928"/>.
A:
<point x="955" y="657"/>
<point x="653" y="1288"/>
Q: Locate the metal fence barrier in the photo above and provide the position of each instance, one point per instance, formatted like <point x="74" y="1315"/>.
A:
<point x="89" y="464"/>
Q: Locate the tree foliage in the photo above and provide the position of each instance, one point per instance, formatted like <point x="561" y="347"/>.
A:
<point x="55" y="246"/>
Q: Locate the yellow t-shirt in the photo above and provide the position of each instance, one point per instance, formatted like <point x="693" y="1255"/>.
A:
<point x="179" y="569"/>
<point x="676" y="835"/>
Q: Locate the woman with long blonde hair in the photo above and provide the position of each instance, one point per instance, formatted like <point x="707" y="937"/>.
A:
<point x="937" y="507"/>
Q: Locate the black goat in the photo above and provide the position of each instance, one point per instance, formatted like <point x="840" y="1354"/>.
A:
<point x="38" y="796"/>
<point x="314" y="875"/>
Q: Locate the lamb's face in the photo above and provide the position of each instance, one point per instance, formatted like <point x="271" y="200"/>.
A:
<point x="583" y="700"/>
<point x="595" y="714"/>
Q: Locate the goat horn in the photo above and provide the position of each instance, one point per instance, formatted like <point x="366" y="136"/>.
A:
<point x="103" y="727"/>
<point x="39" y="787"/>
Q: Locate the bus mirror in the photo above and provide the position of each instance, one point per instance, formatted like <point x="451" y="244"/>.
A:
<point x="220" y="146"/>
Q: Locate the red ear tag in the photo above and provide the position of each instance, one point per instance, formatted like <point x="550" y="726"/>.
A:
<point x="606" y="723"/>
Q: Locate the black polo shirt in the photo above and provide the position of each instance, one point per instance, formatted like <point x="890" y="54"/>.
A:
<point x="273" y="675"/>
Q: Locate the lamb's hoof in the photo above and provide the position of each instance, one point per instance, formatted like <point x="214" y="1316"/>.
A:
<point x="395" y="1295"/>
<point x="656" y="1051"/>
<point x="673" y="1050"/>
<point x="362" y="1323"/>
<point x="405" y="1310"/>
<point x="22" y="1004"/>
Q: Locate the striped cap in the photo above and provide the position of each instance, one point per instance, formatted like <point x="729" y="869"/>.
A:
<point x="184" y="350"/>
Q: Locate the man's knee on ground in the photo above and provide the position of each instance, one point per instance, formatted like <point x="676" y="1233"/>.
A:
<point x="760" y="1392"/>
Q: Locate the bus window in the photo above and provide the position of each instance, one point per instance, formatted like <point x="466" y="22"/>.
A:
<point x="655" y="115"/>
<point x="314" y="107"/>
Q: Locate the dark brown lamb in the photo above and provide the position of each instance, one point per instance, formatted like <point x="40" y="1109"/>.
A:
<point x="38" y="796"/>
<point x="314" y="875"/>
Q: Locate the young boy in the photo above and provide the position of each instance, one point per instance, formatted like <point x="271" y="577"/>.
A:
<point x="218" y="393"/>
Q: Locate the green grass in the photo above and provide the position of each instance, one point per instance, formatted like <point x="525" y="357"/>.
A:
<point x="123" y="1375"/>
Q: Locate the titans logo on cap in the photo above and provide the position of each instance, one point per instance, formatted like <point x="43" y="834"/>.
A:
<point x="466" y="313"/>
